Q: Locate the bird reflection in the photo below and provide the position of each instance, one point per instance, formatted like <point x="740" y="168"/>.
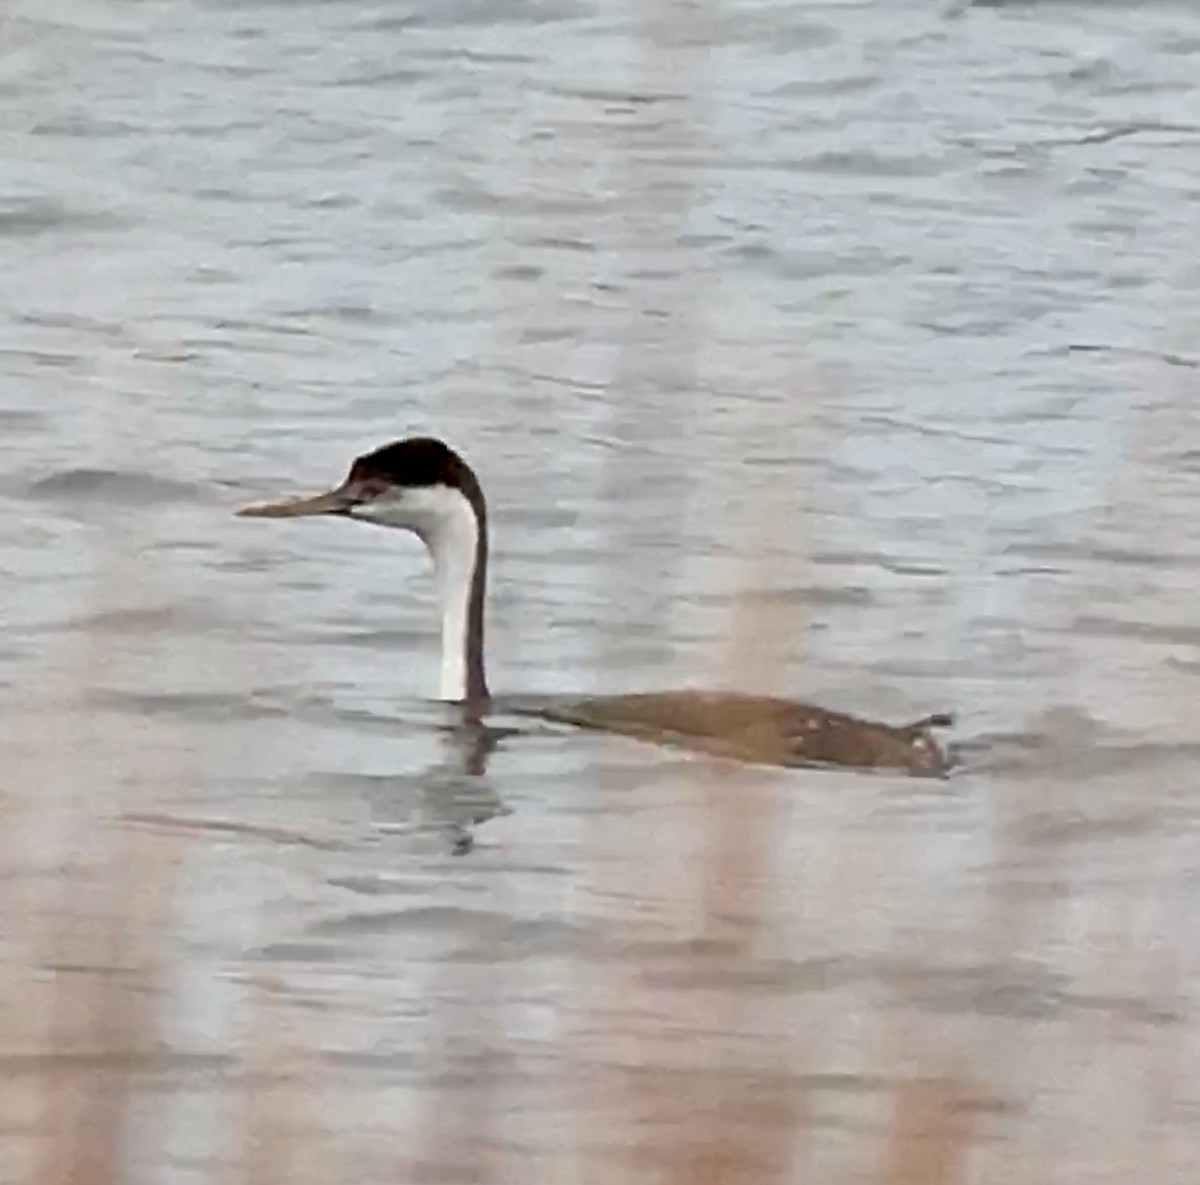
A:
<point x="470" y="743"/>
<point x="450" y="797"/>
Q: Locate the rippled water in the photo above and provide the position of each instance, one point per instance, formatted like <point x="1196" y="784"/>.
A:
<point x="900" y="296"/>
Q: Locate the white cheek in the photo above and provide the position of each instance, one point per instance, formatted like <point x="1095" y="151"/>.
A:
<point x="426" y="510"/>
<point x="388" y="511"/>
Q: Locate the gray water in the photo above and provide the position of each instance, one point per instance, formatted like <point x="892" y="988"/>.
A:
<point x="878" y="317"/>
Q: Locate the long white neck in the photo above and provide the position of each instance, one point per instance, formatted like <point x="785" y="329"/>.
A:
<point x="454" y="547"/>
<point x="456" y="537"/>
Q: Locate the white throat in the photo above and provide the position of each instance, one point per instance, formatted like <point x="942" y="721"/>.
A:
<point x="452" y="547"/>
<point x="445" y="521"/>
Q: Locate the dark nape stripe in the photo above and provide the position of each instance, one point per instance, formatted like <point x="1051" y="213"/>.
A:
<point x="477" y="688"/>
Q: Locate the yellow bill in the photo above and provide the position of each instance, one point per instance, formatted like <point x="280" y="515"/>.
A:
<point x="334" y="502"/>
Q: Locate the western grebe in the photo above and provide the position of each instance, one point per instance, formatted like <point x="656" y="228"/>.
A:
<point x="424" y="486"/>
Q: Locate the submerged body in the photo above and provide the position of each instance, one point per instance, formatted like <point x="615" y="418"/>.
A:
<point x="423" y="486"/>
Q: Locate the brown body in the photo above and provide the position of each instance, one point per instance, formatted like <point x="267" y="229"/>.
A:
<point x="762" y="729"/>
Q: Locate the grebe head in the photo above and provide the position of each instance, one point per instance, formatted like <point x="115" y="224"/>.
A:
<point x="422" y="485"/>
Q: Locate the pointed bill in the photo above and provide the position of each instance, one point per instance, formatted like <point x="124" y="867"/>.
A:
<point x="334" y="502"/>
